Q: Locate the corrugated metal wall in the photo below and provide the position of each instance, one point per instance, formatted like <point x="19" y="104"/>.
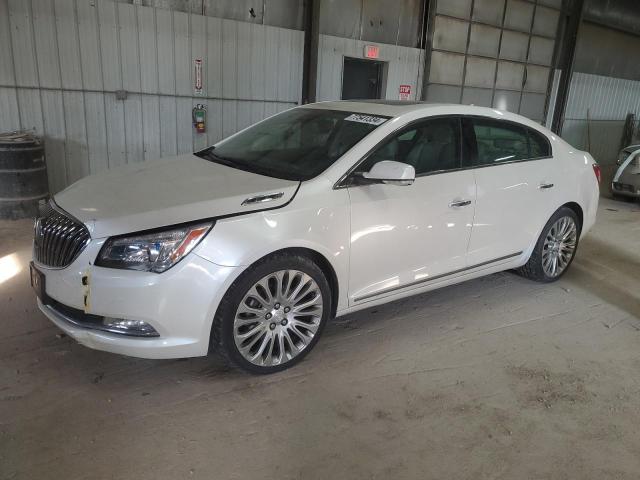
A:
<point x="279" y="13"/>
<point x="61" y="62"/>
<point x="605" y="87"/>
<point x="607" y="100"/>
<point x="392" y="22"/>
<point x="404" y="66"/>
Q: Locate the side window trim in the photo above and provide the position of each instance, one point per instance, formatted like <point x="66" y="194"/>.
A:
<point x="468" y="145"/>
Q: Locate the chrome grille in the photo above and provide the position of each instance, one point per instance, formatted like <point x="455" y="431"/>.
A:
<point x="59" y="238"/>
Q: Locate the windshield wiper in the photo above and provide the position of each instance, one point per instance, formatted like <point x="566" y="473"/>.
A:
<point x="209" y="155"/>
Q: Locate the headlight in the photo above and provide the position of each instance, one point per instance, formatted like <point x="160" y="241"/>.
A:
<point x="152" y="252"/>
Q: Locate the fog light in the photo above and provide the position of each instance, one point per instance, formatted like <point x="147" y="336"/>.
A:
<point x="129" y="327"/>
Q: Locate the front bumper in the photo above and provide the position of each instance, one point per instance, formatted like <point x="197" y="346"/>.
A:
<point x="172" y="347"/>
<point x="179" y="304"/>
<point x="625" y="189"/>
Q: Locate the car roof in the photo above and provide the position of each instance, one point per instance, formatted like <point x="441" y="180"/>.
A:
<point x="392" y="108"/>
<point x="397" y="108"/>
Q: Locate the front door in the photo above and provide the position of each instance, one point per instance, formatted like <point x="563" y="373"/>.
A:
<point x="402" y="237"/>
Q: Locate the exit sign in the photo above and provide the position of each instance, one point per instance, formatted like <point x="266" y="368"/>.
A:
<point x="371" y="51"/>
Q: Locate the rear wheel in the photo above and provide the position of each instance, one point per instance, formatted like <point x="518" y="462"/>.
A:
<point x="555" y="249"/>
<point x="273" y="314"/>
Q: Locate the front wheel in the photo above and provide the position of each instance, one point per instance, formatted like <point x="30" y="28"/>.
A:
<point x="555" y="249"/>
<point x="273" y="314"/>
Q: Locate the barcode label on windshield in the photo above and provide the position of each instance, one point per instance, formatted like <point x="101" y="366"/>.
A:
<point x="370" y="119"/>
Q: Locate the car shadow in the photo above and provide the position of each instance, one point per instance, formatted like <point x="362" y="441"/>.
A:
<point x="608" y="274"/>
<point x="610" y="256"/>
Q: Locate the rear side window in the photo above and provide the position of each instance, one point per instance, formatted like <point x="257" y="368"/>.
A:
<point x="538" y="144"/>
<point x="499" y="141"/>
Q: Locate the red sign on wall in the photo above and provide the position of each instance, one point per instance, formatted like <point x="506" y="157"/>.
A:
<point x="405" y="92"/>
<point x="371" y="51"/>
<point x="197" y="76"/>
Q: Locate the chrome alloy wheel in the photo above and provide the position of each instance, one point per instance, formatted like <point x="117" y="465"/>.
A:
<point x="559" y="246"/>
<point x="278" y="317"/>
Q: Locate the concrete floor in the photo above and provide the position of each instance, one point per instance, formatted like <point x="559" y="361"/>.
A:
<point x="496" y="378"/>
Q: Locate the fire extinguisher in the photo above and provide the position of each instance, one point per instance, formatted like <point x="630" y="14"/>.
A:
<point x="199" y="114"/>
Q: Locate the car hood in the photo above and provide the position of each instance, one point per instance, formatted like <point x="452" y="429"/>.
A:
<point x="165" y="192"/>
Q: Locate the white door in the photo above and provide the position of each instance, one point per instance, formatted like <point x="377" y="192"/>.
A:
<point x="516" y="186"/>
<point x="405" y="236"/>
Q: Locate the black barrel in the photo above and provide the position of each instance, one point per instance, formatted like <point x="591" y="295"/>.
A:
<point x="23" y="175"/>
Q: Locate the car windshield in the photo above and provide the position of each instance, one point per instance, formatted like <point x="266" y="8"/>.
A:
<point x="298" y="144"/>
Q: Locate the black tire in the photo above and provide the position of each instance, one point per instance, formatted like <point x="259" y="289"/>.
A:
<point x="222" y="331"/>
<point x="533" y="269"/>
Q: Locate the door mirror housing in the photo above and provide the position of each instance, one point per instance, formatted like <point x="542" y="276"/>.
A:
<point x="390" y="172"/>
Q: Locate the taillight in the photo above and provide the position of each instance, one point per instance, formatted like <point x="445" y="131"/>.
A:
<point x="598" y="172"/>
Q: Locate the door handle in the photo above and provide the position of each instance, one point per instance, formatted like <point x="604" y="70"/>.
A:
<point x="544" y="186"/>
<point x="460" y="203"/>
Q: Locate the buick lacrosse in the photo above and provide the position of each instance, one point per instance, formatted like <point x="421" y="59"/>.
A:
<point x="249" y="247"/>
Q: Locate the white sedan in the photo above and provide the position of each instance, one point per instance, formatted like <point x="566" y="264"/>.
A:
<point x="249" y="247"/>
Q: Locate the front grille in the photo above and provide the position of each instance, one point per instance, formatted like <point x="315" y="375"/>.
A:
<point x="59" y="238"/>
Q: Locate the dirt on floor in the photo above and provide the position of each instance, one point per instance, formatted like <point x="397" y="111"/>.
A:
<point x="496" y="378"/>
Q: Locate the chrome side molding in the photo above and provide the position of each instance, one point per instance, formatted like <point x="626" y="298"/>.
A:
<point x="267" y="197"/>
<point x="419" y="283"/>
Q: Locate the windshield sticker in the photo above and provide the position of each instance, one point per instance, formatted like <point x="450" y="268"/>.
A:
<point x="370" y="119"/>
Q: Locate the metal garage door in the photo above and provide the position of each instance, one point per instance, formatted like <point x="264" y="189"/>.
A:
<point x="494" y="53"/>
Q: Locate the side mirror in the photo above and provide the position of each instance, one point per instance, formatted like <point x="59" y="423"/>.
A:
<point x="391" y="173"/>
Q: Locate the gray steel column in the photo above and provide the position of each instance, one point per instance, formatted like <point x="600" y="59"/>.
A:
<point x="566" y="63"/>
<point x="426" y="41"/>
<point x="310" y="56"/>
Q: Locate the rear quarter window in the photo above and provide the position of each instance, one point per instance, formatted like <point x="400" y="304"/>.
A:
<point x="539" y="145"/>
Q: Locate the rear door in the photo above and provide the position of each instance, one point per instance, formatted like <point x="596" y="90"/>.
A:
<point x="516" y="184"/>
<point x="405" y="236"/>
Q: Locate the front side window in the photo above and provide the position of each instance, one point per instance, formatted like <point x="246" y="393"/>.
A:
<point x="499" y="141"/>
<point x="298" y="144"/>
<point x="429" y="146"/>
